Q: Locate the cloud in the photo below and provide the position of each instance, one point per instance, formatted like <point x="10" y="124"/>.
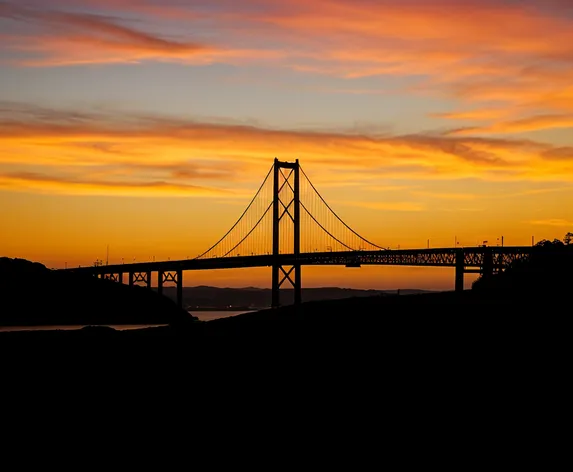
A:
<point x="386" y="206"/>
<point x="389" y="188"/>
<point x="552" y="222"/>
<point x="29" y="181"/>
<point x="532" y="123"/>
<point x="449" y="49"/>
<point x="559" y="153"/>
<point x="156" y="152"/>
<point x="448" y="196"/>
<point x="474" y="115"/>
<point x="63" y="38"/>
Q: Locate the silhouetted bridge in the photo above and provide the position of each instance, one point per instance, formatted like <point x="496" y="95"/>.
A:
<point x="269" y="235"/>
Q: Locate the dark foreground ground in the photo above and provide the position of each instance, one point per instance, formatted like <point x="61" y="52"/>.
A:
<point x="439" y="378"/>
<point x="403" y="365"/>
<point x="412" y="320"/>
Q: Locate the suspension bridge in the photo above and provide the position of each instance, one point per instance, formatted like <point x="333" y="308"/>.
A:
<point x="287" y="225"/>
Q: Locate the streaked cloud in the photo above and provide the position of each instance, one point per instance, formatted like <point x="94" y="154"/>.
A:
<point x="559" y="153"/>
<point x="27" y="181"/>
<point x="452" y="49"/>
<point x="475" y="115"/>
<point x="386" y="206"/>
<point x="64" y="38"/>
<point x="463" y="105"/>
<point x="157" y="152"/>
<point x="390" y="188"/>
<point x="532" y="123"/>
<point x="553" y="222"/>
<point x="448" y="196"/>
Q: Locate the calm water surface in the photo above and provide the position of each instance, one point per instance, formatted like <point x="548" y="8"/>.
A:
<point x="213" y="315"/>
<point x="202" y="315"/>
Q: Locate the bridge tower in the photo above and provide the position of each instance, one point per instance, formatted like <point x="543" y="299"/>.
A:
<point x="286" y="203"/>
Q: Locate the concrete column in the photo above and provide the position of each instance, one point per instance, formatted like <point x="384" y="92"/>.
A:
<point x="296" y="223"/>
<point x="180" y="288"/>
<point x="160" y="282"/>
<point x="487" y="268"/>
<point x="130" y="279"/>
<point x="148" y="279"/>
<point x="459" y="270"/>
<point x="275" y="294"/>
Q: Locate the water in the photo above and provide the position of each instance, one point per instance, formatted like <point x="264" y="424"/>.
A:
<point x="202" y="315"/>
<point x="214" y="315"/>
<point x="52" y="327"/>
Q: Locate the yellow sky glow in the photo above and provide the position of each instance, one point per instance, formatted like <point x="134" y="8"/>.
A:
<point x="148" y="127"/>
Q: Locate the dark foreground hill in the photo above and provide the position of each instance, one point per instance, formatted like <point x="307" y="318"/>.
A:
<point x="527" y="296"/>
<point x="350" y="318"/>
<point x="32" y="295"/>
<point x="482" y="370"/>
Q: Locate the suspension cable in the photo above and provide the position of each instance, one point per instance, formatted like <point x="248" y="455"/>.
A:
<point x="252" y="229"/>
<point x="243" y="214"/>
<point x="324" y="229"/>
<point x="334" y="213"/>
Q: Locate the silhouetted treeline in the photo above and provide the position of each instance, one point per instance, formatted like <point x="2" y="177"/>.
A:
<point x="547" y="273"/>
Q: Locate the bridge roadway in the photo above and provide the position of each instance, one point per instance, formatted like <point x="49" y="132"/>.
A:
<point x="481" y="259"/>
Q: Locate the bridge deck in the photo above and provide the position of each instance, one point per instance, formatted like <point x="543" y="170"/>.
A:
<point x="473" y="257"/>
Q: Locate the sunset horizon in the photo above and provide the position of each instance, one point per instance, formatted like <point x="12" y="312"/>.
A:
<point x="137" y="131"/>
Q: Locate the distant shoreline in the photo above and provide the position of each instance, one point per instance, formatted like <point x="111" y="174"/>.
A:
<point x="232" y="308"/>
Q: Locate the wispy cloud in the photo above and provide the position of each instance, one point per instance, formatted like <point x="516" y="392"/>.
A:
<point x="63" y="38"/>
<point x="452" y="49"/>
<point x="484" y="114"/>
<point x="553" y="222"/>
<point x="559" y="153"/>
<point x="387" y="206"/>
<point x="447" y="196"/>
<point x="28" y="181"/>
<point x="532" y="123"/>
<point x="157" y="150"/>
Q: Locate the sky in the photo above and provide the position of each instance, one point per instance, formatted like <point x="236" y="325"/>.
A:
<point x="134" y="130"/>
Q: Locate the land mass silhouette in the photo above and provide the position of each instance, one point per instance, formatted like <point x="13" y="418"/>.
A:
<point x="538" y="285"/>
<point x="33" y="295"/>
<point x="205" y="297"/>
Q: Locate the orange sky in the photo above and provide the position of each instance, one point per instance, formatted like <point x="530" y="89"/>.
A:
<point x="147" y="127"/>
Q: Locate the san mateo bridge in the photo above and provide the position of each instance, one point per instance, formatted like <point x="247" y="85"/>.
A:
<point x="288" y="225"/>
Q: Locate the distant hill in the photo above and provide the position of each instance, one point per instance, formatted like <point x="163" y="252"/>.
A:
<point x="530" y="290"/>
<point x="206" y="297"/>
<point x="524" y="307"/>
<point x="31" y="294"/>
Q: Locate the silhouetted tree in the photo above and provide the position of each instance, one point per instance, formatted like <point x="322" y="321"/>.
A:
<point x="550" y="244"/>
<point x="568" y="239"/>
<point x="546" y="272"/>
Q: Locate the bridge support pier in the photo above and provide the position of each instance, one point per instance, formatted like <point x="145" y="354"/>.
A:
<point x="180" y="288"/>
<point x="275" y="287"/>
<point x="286" y="202"/>
<point x="144" y="277"/>
<point x="487" y="267"/>
<point x="460" y="268"/>
<point x="113" y="277"/>
<point x="171" y="276"/>
<point x="282" y="274"/>
<point x="160" y="279"/>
